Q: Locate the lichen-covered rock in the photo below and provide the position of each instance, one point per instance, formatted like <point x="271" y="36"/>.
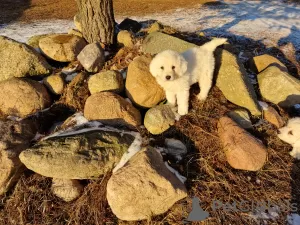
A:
<point x="159" y="119"/>
<point x="106" y="81"/>
<point x="62" y="47"/>
<point x="67" y="190"/>
<point x="15" y="136"/>
<point x="111" y="109"/>
<point x="261" y="62"/>
<point x="21" y="97"/>
<point x="92" y="57"/>
<point x="141" y="86"/>
<point x="234" y="83"/>
<point x="79" y="156"/>
<point x="242" y="150"/>
<point x="279" y="87"/>
<point x="157" y="42"/>
<point x="20" y="60"/>
<point x="144" y="187"/>
<point x="55" y="83"/>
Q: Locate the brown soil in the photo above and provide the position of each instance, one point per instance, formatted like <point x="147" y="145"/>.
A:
<point x="26" y="10"/>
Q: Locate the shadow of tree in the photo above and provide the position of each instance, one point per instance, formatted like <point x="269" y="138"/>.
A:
<point x="12" y="10"/>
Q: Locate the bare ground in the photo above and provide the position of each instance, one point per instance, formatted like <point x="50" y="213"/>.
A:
<point x="30" y="10"/>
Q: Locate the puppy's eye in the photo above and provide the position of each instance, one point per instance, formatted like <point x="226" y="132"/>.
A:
<point x="290" y="132"/>
<point x="173" y="67"/>
<point x="162" y="67"/>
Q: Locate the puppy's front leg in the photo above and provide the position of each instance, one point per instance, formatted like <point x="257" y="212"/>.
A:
<point x="171" y="97"/>
<point x="183" y="102"/>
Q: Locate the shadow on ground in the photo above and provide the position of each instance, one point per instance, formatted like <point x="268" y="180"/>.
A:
<point x="12" y="11"/>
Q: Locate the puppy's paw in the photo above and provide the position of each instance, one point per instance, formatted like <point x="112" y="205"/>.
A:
<point x="295" y="154"/>
<point x="201" y="97"/>
<point x="182" y="111"/>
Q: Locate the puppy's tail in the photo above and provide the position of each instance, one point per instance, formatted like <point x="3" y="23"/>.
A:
<point x="214" y="43"/>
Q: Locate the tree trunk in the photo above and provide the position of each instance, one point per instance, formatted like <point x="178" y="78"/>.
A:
<point x="97" y="20"/>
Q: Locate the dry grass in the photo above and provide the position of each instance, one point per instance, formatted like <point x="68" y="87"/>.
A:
<point x="209" y="178"/>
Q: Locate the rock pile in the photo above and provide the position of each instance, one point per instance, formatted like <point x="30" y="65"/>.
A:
<point x="115" y="109"/>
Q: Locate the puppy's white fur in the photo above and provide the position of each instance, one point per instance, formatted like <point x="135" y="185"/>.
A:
<point x="177" y="72"/>
<point x="291" y="135"/>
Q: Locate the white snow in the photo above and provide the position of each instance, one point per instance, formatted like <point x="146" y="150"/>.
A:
<point x="177" y="174"/>
<point x="293" y="219"/>
<point x="271" y="22"/>
<point x="135" y="147"/>
<point x="263" y="105"/>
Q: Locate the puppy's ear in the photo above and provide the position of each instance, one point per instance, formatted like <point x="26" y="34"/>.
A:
<point x="182" y="65"/>
<point x="153" y="67"/>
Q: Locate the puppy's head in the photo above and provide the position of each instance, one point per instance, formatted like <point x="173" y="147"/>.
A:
<point x="168" y="65"/>
<point x="291" y="132"/>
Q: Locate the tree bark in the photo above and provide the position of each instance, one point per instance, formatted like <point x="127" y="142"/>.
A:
<point x="97" y="20"/>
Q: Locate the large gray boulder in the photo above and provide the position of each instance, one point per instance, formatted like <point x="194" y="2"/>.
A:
<point x="15" y="136"/>
<point x="21" y="97"/>
<point x="157" y="42"/>
<point x="20" y="60"/>
<point x="144" y="187"/>
<point x="80" y="156"/>
<point x="279" y="87"/>
<point x="234" y="83"/>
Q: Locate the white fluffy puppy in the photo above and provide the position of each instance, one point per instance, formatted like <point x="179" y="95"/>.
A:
<point x="177" y="72"/>
<point x="291" y="134"/>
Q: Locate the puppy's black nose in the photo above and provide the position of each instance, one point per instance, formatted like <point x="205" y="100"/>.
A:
<point x="278" y="132"/>
<point x="168" y="77"/>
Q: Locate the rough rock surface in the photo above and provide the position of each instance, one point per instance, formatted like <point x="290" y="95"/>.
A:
<point x="106" y="81"/>
<point x="20" y="60"/>
<point x="159" y="118"/>
<point x="14" y="137"/>
<point x="141" y="86"/>
<point x="111" y="109"/>
<point x="92" y="57"/>
<point x="157" y="42"/>
<point x="279" y="87"/>
<point x="241" y="117"/>
<point x="234" y="83"/>
<point x="55" y="83"/>
<point x="77" y="22"/>
<point x="67" y="190"/>
<point x="242" y="150"/>
<point x="21" y="97"/>
<point x="62" y="47"/>
<point x="271" y="115"/>
<point x="80" y="156"/>
<point x="34" y="40"/>
<point x="144" y="187"/>
<point x="261" y="62"/>
<point x="126" y="38"/>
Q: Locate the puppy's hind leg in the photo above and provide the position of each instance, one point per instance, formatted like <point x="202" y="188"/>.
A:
<point x="171" y="97"/>
<point x="205" y="83"/>
<point x="183" y="102"/>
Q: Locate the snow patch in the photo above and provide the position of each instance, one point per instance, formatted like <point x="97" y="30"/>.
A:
<point x="293" y="219"/>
